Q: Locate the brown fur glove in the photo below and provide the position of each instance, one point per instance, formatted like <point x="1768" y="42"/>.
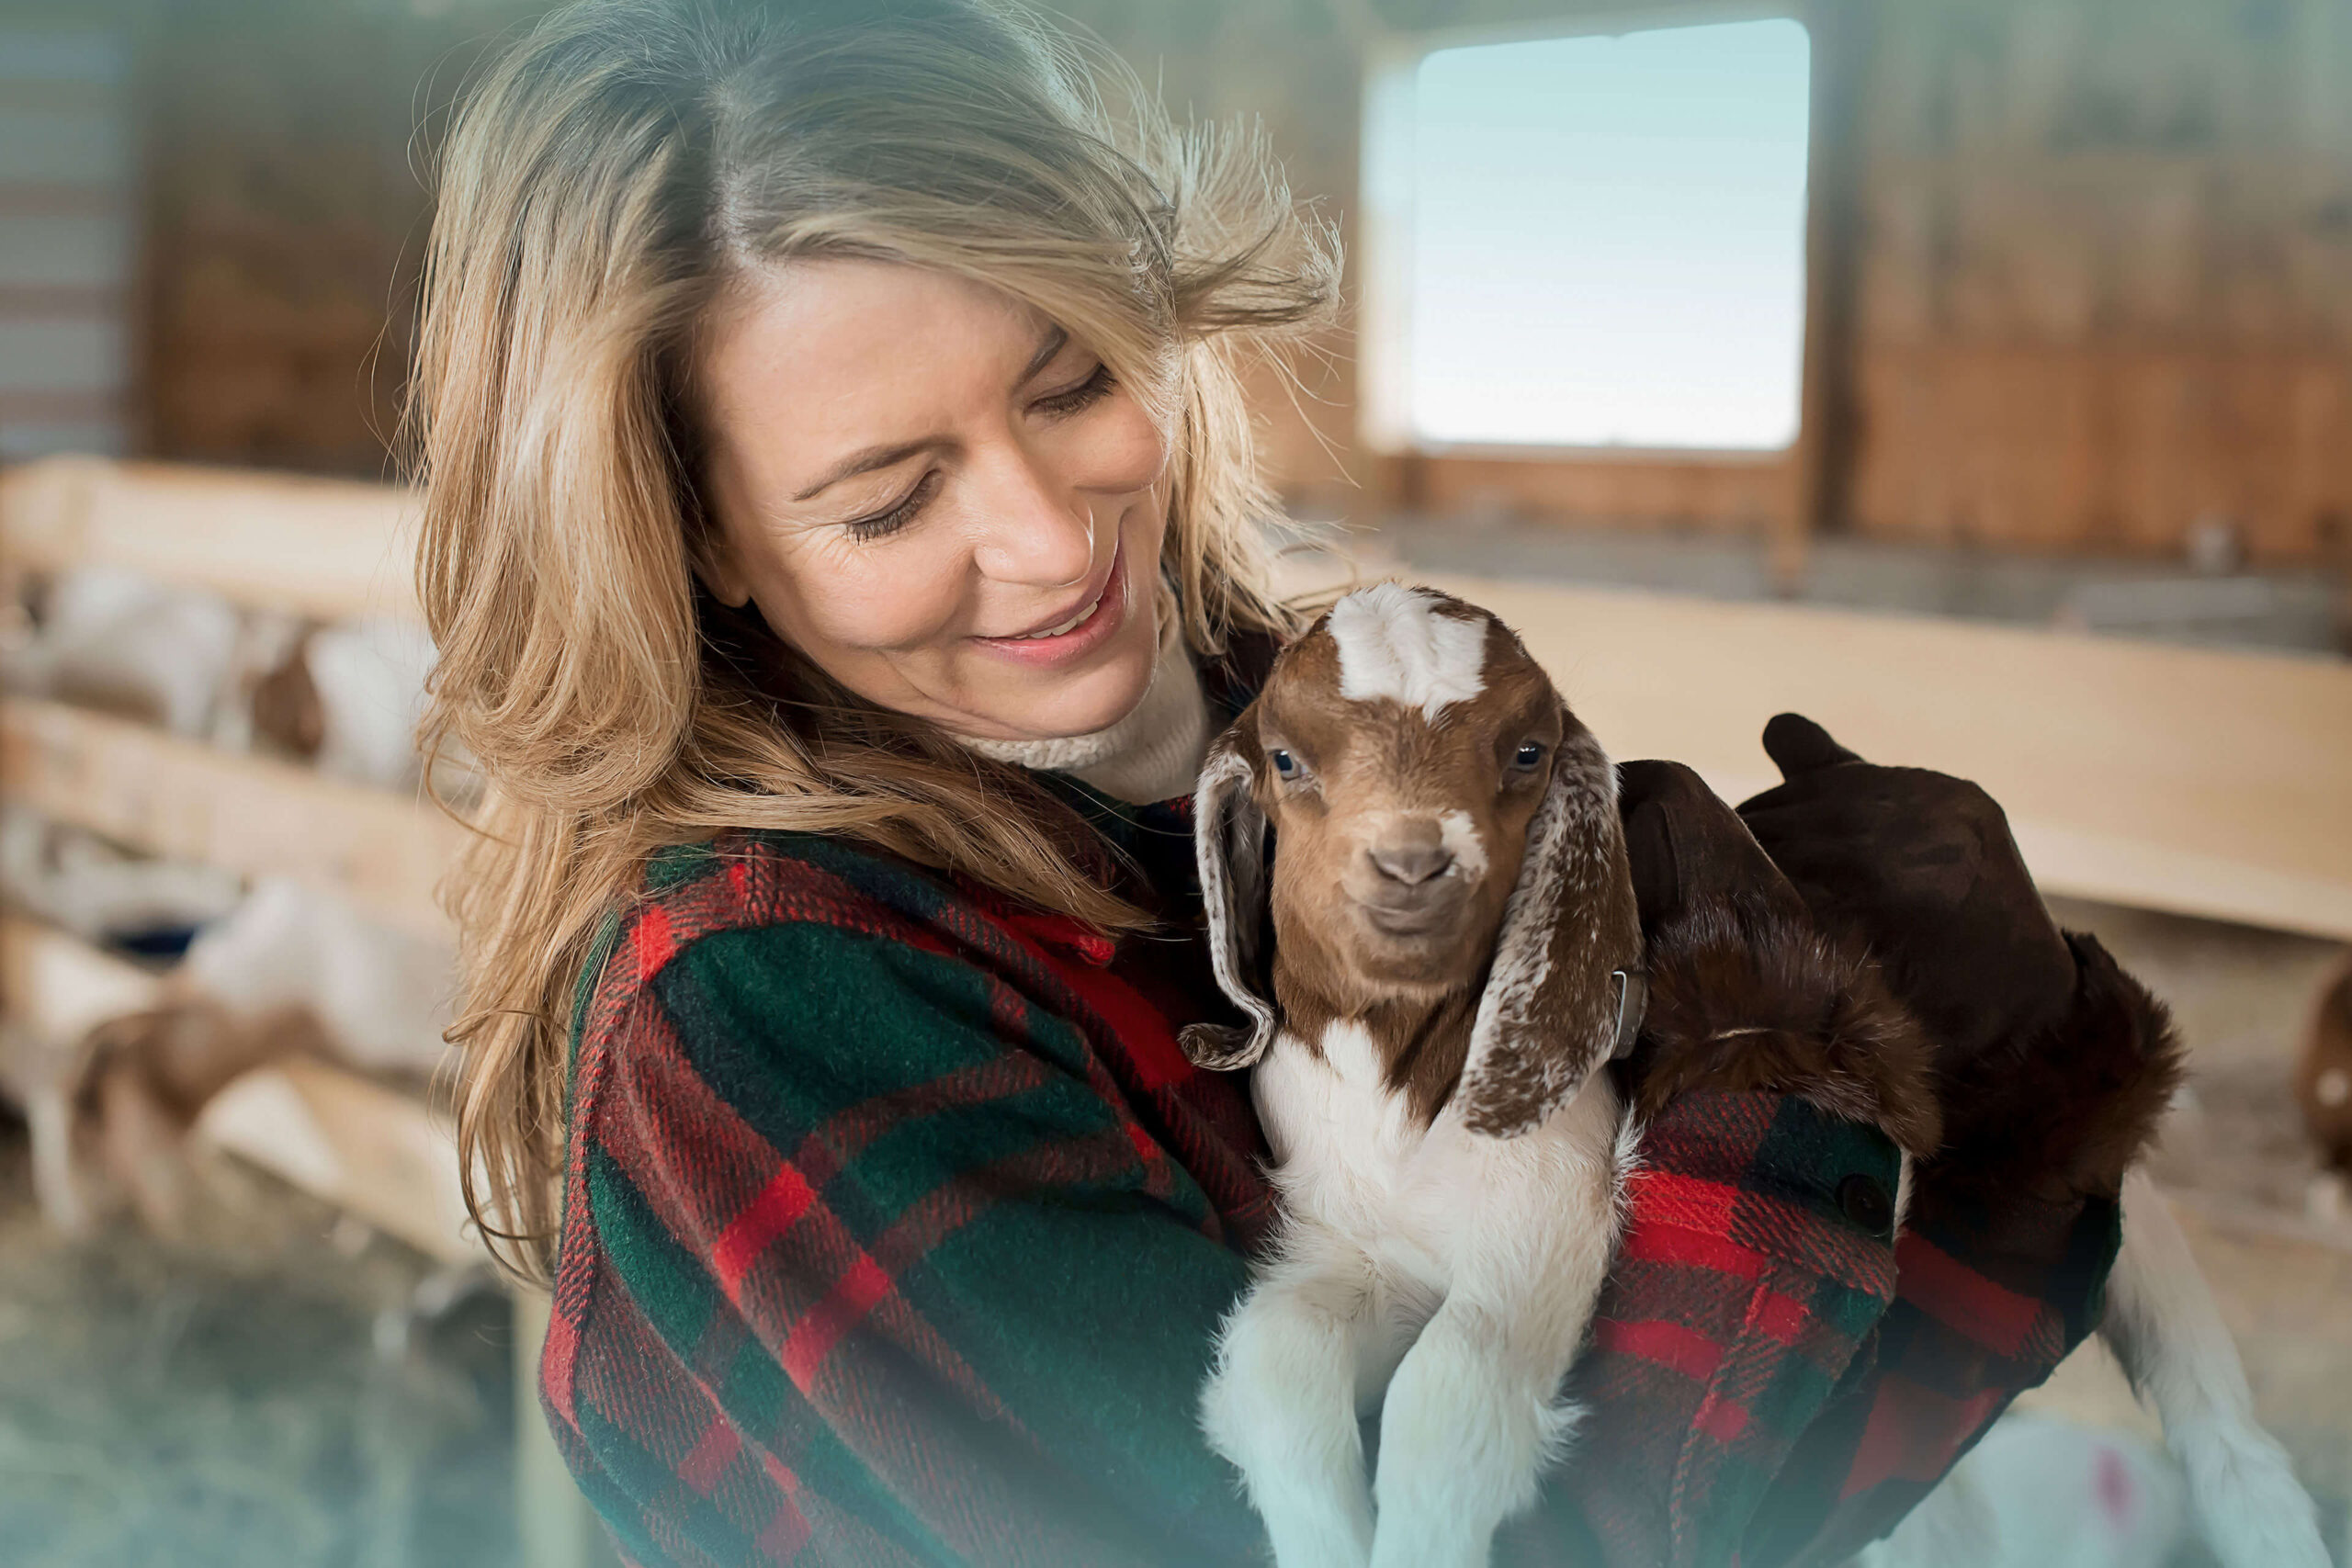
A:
<point x="2053" y="1065"/>
<point x="1746" y="994"/>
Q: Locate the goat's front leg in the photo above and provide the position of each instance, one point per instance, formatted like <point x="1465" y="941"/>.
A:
<point x="1281" y="1402"/>
<point x="2165" y="1327"/>
<point x="1475" y="1414"/>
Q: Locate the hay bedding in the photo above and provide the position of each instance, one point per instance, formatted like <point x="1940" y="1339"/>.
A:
<point x="253" y="1395"/>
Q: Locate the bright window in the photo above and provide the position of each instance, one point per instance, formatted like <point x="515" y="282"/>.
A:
<point x="1591" y="240"/>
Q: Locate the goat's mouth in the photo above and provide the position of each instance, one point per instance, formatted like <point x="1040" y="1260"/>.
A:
<point x="1435" y="911"/>
<point x="1408" y="952"/>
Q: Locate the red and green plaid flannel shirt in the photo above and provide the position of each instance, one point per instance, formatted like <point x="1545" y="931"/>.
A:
<point x="896" y="1226"/>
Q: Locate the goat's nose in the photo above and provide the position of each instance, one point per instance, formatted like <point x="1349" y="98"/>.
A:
<point x="1412" y="861"/>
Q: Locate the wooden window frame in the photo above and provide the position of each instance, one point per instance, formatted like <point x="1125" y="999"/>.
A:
<point x="1785" y="495"/>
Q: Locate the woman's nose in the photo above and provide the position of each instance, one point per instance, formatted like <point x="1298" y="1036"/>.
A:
<point x="1035" y="532"/>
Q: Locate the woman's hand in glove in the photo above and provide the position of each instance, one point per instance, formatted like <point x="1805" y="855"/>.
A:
<point x="1922" y="866"/>
<point x="1746" y="994"/>
<point x="2053" y="1065"/>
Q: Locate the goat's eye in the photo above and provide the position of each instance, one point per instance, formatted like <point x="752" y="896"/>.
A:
<point x="1285" y="765"/>
<point x="1529" y="753"/>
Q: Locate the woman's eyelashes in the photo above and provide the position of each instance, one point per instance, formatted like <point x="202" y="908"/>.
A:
<point x="1086" y="394"/>
<point x="882" y="524"/>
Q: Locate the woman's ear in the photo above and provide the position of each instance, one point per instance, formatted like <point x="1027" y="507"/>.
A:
<point x="712" y="557"/>
<point x="1230" y="849"/>
<point x="1564" y="993"/>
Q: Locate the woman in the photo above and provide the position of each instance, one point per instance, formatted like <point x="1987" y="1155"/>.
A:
<point x="843" y="538"/>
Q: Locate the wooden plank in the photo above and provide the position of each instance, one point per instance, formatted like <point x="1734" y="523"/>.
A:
<point x="2104" y="446"/>
<point x="1743" y="493"/>
<point x="248" y="814"/>
<point x="327" y="549"/>
<point x="2181" y="779"/>
<point x="358" y="1144"/>
<point x="2080" y="333"/>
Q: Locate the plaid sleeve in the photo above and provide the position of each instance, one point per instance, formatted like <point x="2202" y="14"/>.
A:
<point x="868" y="1259"/>
<point x="1757" y="1258"/>
<point x="2002" y="1269"/>
<point x="1772" y="1379"/>
<point x="1981" y="1315"/>
<point x="1775" y="1378"/>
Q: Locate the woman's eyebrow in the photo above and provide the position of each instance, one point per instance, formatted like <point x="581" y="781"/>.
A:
<point x="873" y="457"/>
<point x="1055" y="338"/>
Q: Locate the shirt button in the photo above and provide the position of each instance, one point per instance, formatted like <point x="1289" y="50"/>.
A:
<point x="1865" y="1202"/>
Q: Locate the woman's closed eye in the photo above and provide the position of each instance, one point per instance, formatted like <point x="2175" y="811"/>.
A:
<point x="1085" y="395"/>
<point x="880" y="525"/>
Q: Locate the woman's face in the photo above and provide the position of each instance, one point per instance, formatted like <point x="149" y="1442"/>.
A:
<point x="936" y="496"/>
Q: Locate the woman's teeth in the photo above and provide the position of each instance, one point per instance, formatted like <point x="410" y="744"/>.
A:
<point x="1066" y="627"/>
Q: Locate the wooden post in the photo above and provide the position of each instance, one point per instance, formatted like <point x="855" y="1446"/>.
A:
<point x="1818" y="466"/>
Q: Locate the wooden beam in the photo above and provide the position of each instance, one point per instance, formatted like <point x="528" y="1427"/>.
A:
<point x="325" y="549"/>
<point x="248" y="815"/>
<point x="1738" y="492"/>
<point x="363" y="1147"/>
<point x="1840" y="32"/>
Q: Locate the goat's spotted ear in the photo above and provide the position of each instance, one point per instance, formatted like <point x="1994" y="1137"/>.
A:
<point x="1566" y="966"/>
<point x="1230" y="846"/>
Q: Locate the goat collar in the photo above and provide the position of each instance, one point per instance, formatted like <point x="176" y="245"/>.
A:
<point x="1632" y="1004"/>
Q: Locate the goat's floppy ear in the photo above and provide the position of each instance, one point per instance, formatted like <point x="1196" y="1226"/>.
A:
<point x="1566" y="991"/>
<point x="1230" y="846"/>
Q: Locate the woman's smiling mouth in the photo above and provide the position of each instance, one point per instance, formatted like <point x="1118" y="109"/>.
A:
<point x="1078" y="634"/>
<point x="1070" y="625"/>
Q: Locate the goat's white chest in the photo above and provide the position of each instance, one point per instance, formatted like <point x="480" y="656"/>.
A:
<point x="1352" y="1157"/>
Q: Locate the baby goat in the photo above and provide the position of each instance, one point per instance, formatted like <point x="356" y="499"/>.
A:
<point x="1455" y="950"/>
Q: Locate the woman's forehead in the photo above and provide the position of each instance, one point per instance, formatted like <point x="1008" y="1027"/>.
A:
<point x="827" y="355"/>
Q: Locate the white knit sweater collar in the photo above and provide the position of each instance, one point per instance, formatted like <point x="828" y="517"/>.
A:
<point x="1154" y="754"/>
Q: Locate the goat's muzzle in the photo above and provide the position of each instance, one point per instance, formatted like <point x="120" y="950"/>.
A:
<point x="1408" y="886"/>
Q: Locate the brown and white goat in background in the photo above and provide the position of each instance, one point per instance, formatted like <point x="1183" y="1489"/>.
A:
<point x="1454" y="951"/>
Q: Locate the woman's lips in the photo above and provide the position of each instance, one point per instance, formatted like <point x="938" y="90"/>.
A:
<point x="1069" y="625"/>
<point x="1089" y="629"/>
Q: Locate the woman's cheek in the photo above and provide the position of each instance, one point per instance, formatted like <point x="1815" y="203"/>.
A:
<point x="857" y="596"/>
<point x="1116" y="450"/>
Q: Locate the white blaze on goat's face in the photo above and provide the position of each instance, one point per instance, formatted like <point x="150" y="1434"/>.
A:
<point x="1458" y="836"/>
<point x="1393" y="643"/>
<point x="1403" y="748"/>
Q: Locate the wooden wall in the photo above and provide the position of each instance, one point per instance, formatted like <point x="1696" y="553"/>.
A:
<point x="2105" y="274"/>
<point x="67" y="197"/>
<point x="287" y="144"/>
<point x="2094" y="258"/>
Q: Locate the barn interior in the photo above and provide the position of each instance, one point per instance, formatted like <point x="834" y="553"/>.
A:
<point x="1974" y="376"/>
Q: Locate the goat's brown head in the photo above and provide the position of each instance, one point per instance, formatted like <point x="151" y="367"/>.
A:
<point x="1441" y="823"/>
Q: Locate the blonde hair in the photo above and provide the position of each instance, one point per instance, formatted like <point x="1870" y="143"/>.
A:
<point x="603" y="183"/>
